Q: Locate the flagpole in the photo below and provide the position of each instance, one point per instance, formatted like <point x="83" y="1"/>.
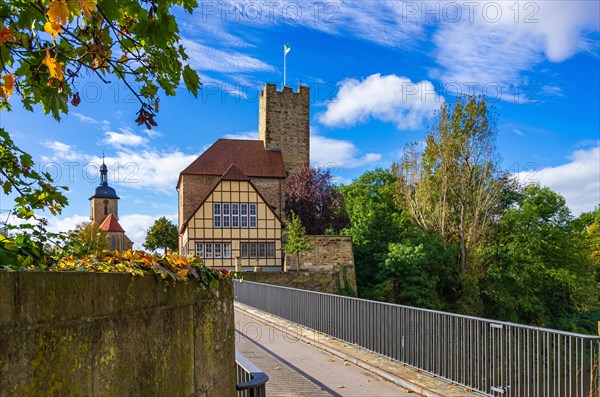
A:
<point x="284" y="65"/>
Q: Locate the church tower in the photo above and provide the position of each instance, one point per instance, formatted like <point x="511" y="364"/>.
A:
<point x="104" y="202"/>
<point x="284" y="123"/>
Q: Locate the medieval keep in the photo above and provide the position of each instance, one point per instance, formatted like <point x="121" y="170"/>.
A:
<point x="104" y="212"/>
<point x="231" y="198"/>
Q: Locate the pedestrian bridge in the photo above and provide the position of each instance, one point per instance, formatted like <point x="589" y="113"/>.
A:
<point x="314" y="344"/>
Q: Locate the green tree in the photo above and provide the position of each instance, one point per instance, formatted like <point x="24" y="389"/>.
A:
<point x="375" y="223"/>
<point x="46" y="47"/>
<point x="87" y="239"/>
<point x="538" y="272"/>
<point x="295" y="237"/>
<point x="453" y="186"/>
<point x="162" y="235"/>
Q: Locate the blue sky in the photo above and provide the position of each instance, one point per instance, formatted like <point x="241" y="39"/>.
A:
<point x="377" y="71"/>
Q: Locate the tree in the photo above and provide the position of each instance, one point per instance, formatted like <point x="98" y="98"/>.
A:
<point x="162" y="235"/>
<point x="87" y="239"/>
<point x="452" y="187"/>
<point x="374" y="223"/>
<point x="47" y="46"/>
<point x="295" y="236"/>
<point x="538" y="270"/>
<point x="312" y="196"/>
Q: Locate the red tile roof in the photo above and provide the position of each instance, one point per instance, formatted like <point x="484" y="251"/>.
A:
<point x="250" y="157"/>
<point x="111" y="224"/>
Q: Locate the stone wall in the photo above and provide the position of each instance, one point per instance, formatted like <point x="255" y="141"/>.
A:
<point x="329" y="282"/>
<point x="109" y="334"/>
<point x="330" y="259"/>
<point x="284" y="123"/>
<point x="325" y="253"/>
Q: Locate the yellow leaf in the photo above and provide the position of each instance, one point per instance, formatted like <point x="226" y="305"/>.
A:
<point x="58" y="12"/>
<point x="53" y="29"/>
<point x="6" y="35"/>
<point x="87" y="6"/>
<point x="7" y="88"/>
<point x="54" y="67"/>
<point x="182" y="273"/>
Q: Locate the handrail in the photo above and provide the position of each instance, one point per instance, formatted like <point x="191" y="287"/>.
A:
<point x="257" y="377"/>
<point x="493" y="357"/>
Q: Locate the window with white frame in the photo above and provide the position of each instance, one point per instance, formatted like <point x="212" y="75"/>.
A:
<point x="208" y="250"/>
<point x="217" y="215"/>
<point x="217" y="250"/>
<point x="200" y="250"/>
<point x="226" y="250"/>
<point x="252" y="215"/>
<point x="226" y="219"/>
<point x="243" y="215"/>
<point x="253" y="250"/>
<point x="235" y="215"/>
<point x="244" y="253"/>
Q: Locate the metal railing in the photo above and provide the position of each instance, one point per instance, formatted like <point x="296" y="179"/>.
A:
<point x="493" y="357"/>
<point x="250" y="380"/>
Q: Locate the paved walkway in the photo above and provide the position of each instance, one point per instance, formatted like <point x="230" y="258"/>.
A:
<point x="299" y="369"/>
<point x="302" y="362"/>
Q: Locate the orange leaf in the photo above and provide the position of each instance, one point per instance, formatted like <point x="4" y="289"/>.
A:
<point x="54" y="67"/>
<point x="6" y="35"/>
<point x="58" y="12"/>
<point x="7" y="88"/>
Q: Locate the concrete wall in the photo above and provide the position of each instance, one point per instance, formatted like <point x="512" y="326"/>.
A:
<point x="94" y="334"/>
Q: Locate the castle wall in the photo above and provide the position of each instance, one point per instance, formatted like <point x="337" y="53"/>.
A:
<point x="327" y="254"/>
<point x="284" y="122"/>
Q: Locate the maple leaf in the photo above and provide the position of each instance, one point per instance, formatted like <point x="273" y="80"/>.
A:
<point x="58" y="12"/>
<point x="53" y="28"/>
<point x="7" y="88"/>
<point x="87" y="6"/>
<point x="54" y="67"/>
<point x="6" y="35"/>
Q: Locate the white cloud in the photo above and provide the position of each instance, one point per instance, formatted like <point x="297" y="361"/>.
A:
<point x="136" y="226"/>
<point x="147" y="169"/>
<point x="379" y="21"/>
<point x="250" y="135"/>
<point x="326" y="152"/>
<point x="498" y="43"/>
<point x="65" y="224"/>
<point x="204" y="58"/>
<point x="124" y="138"/>
<point x="388" y="98"/>
<point x="578" y="181"/>
<point x="61" y="151"/>
<point x="85" y="119"/>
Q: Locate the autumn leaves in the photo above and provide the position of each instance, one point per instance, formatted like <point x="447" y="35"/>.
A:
<point x="61" y="12"/>
<point x="8" y="81"/>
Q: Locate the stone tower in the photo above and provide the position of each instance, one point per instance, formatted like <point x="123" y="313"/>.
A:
<point x="284" y="123"/>
<point x="104" y="202"/>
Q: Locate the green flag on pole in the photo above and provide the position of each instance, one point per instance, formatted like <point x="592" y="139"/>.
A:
<point x="286" y="49"/>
